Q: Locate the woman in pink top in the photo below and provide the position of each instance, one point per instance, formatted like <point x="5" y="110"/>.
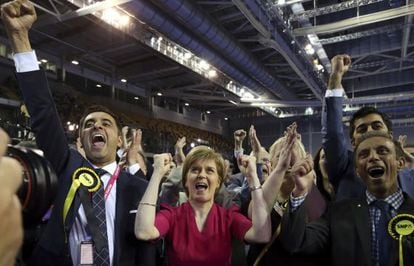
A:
<point x="199" y="232"/>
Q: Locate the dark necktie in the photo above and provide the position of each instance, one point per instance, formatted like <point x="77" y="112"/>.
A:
<point x="384" y="239"/>
<point x="101" y="257"/>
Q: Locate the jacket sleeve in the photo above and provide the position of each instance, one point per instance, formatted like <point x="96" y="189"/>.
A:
<point x="45" y="121"/>
<point x="298" y="236"/>
<point x="334" y="141"/>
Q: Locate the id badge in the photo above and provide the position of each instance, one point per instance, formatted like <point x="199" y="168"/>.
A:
<point x="86" y="253"/>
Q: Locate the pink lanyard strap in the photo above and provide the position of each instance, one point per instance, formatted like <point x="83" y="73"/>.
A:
<point x="111" y="182"/>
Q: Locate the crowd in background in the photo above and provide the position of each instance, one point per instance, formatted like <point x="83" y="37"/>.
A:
<point x="276" y="205"/>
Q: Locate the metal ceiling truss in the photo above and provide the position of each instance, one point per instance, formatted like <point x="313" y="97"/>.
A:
<point x="331" y="9"/>
<point x="385" y="80"/>
<point x="377" y="44"/>
<point x="356" y="21"/>
<point x="363" y="34"/>
<point x="363" y="74"/>
<point x="301" y="67"/>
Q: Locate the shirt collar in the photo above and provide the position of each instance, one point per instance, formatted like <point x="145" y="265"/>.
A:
<point x="110" y="168"/>
<point x="395" y="199"/>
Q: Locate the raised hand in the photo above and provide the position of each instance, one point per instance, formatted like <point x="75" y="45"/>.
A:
<point x="179" y="153"/>
<point x="239" y="136"/>
<point x="18" y="17"/>
<point x="254" y="141"/>
<point x="162" y="164"/>
<point x="303" y="175"/>
<point x="402" y="139"/>
<point x="248" y="168"/>
<point x="409" y="158"/>
<point x="286" y="154"/>
<point x="340" y="65"/>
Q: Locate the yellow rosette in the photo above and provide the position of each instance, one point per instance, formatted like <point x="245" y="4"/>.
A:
<point x="399" y="226"/>
<point x="82" y="176"/>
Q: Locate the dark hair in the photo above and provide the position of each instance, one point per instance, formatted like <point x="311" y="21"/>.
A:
<point x="99" y="108"/>
<point x="364" y="111"/>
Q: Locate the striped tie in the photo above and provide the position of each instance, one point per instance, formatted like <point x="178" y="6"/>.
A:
<point x="101" y="257"/>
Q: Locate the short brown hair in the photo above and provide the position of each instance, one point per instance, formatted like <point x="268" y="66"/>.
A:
<point x="203" y="153"/>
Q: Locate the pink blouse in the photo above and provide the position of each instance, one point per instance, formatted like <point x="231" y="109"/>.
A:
<point x="186" y="245"/>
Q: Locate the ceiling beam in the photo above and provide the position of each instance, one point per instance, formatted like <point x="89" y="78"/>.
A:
<point x="331" y="9"/>
<point x="80" y="12"/>
<point x="356" y="21"/>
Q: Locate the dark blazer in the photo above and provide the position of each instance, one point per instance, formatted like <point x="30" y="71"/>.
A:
<point x="343" y="234"/>
<point x="340" y="160"/>
<point x="53" y="248"/>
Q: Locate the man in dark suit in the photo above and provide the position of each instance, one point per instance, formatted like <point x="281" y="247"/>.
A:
<point x="77" y="232"/>
<point x="339" y="159"/>
<point x="351" y="231"/>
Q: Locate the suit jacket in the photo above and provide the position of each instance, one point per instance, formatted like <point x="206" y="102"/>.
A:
<point x="53" y="247"/>
<point x="340" y="160"/>
<point x="343" y="234"/>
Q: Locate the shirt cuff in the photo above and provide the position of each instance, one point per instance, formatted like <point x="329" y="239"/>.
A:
<point x="133" y="169"/>
<point x="238" y="153"/>
<point x="25" y="62"/>
<point x="295" y="203"/>
<point x="339" y="92"/>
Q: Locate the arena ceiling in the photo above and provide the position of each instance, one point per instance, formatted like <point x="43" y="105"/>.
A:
<point x="234" y="58"/>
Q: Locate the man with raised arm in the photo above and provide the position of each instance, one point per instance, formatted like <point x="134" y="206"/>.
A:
<point x="91" y="222"/>
<point x="339" y="159"/>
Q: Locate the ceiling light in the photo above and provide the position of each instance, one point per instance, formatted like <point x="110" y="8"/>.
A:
<point x="99" y="85"/>
<point x="226" y="118"/>
<point x="212" y="73"/>
<point x="309" y="49"/>
<point x="309" y="111"/>
<point x="159" y="94"/>
<point x="187" y="55"/>
<point x="187" y="104"/>
<point x="192" y="145"/>
<point x="123" y="80"/>
<point x="124" y="21"/>
<point x="43" y="61"/>
<point x="198" y="140"/>
<point x="208" y="112"/>
<point x="136" y="98"/>
<point x="204" y="65"/>
<point x="75" y="62"/>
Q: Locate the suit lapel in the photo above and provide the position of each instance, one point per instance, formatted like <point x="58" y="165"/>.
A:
<point x="362" y="222"/>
